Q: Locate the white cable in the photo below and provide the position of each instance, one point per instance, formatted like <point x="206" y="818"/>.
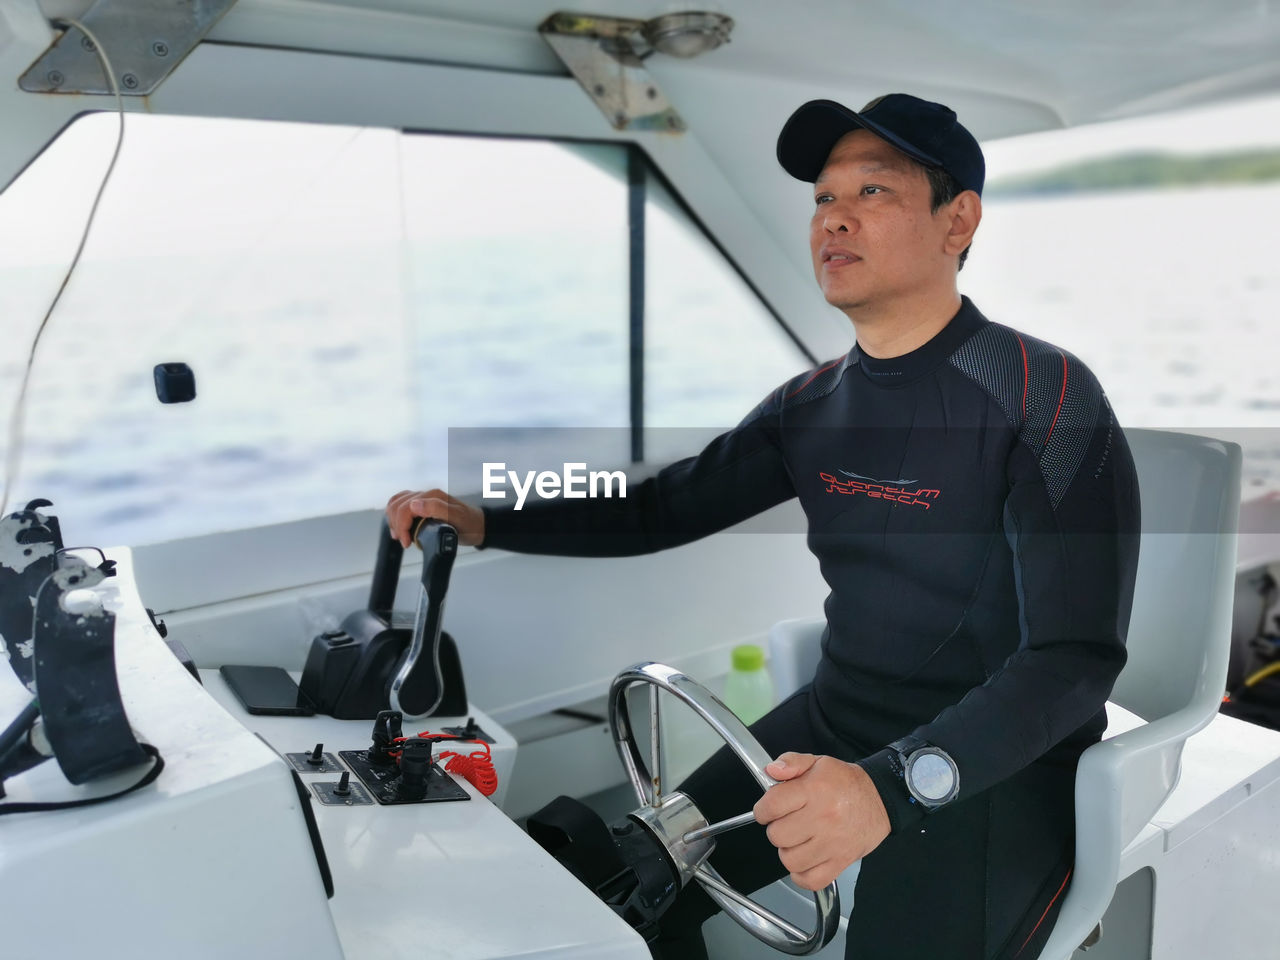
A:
<point x="13" y="456"/>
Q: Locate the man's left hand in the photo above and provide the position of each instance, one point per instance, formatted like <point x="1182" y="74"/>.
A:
<point x="823" y="816"/>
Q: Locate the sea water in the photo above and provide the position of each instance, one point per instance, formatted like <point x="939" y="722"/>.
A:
<point x="314" y="401"/>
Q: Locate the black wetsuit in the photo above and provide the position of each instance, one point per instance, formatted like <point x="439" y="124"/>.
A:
<point x="974" y="509"/>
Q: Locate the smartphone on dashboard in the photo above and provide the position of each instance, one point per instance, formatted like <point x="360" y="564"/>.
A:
<point x="267" y="691"/>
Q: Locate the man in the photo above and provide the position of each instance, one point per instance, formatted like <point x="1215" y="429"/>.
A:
<point x="974" y="509"/>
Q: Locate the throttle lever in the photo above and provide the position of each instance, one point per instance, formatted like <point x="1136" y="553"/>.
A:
<point x="418" y="686"/>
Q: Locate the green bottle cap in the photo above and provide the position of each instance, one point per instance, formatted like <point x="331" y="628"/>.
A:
<point x="748" y="657"/>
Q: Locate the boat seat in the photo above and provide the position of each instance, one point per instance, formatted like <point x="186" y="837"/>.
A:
<point x="1171" y="686"/>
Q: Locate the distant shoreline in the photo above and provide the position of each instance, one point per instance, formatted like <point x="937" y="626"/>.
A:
<point x="1143" y="171"/>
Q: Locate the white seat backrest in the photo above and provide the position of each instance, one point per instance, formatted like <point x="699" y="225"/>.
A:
<point x="1178" y="644"/>
<point x="1179" y="633"/>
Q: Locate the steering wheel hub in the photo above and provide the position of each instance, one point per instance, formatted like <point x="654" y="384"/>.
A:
<point x="674" y="816"/>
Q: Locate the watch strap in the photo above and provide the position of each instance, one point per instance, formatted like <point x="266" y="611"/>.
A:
<point x="908" y="745"/>
<point x="884" y="767"/>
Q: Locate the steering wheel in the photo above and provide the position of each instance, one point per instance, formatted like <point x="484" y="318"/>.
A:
<point x="681" y="827"/>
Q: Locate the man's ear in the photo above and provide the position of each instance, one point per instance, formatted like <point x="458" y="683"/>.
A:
<point x="964" y="213"/>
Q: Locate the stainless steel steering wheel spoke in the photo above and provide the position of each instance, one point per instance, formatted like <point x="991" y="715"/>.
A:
<point x="714" y="884"/>
<point x="655" y="746"/>
<point x="675" y="820"/>
<point x="723" y="826"/>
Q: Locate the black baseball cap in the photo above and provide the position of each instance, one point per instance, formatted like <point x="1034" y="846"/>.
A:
<point x="925" y="131"/>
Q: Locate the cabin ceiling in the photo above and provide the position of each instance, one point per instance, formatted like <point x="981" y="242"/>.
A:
<point x="1077" y="61"/>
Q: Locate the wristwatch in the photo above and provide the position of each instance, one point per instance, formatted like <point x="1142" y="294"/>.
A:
<point x="931" y="776"/>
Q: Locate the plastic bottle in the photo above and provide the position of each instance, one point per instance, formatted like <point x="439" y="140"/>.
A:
<point x="748" y="690"/>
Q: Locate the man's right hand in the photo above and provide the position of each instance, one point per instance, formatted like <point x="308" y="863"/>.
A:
<point x="404" y="509"/>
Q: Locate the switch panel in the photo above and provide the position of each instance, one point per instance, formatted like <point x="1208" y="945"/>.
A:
<point x="341" y="792"/>
<point x="471" y="731"/>
<point x="388" y="785"/>
<point x="314" y="761"/>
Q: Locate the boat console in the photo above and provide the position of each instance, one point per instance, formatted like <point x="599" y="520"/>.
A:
<point x="325" y="831"/>
<point x="308" y="836"/>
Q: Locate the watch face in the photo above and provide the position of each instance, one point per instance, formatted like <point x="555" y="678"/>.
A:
<point x="932" y="777"/>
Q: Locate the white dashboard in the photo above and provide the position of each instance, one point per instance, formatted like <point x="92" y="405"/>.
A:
<point x="215" y="859"/>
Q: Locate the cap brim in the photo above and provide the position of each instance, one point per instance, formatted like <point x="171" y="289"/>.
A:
<point x="808" y="136"/>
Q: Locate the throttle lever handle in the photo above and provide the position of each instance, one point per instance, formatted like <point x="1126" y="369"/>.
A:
<point x="418" y="686"/>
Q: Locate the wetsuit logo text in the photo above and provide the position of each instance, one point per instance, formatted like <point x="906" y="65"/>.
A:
<point x="919" y="497"/>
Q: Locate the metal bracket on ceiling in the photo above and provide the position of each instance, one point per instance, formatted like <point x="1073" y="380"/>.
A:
<point x="144" y="39"/>
<point x="606" y="56"/>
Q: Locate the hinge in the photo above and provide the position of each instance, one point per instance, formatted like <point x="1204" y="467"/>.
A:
<point x="606" y="56"/>
<point x="143" y="39"/>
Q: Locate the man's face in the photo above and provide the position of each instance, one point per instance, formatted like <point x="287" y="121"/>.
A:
<point x="873" y="237"/>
